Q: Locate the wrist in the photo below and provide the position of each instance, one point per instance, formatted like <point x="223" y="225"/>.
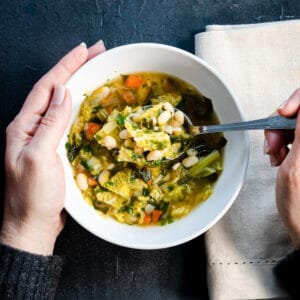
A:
<point x="27" y="238"/>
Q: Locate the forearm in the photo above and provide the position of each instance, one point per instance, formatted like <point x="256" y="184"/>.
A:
<point x="288" y="273"/>
<point x="24" y="275"/>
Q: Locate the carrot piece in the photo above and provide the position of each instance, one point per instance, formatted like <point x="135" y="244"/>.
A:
<point x="156" y="215"/>
<point x="92" y="181"/>
<point x="133" y="81"/>
<point x="128" y="97"/>
<point x="91" y="129"/>
<point x="147" y="219"/>
<point x="110" y="109"/>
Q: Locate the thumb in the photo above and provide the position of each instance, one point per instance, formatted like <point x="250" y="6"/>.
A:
<point x="54" y="122"/>
<point x="290" y="107"/>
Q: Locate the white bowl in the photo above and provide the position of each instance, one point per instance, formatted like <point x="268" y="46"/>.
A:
<point x="173" y="61"/>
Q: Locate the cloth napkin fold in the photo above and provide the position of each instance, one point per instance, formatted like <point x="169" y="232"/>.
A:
<point x="261" y="63"/>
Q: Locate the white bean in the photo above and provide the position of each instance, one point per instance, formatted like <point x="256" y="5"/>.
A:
<point x="131" y="219"/>
<point x="82" y="181"/>
<point x="154" y="155"/>
<point x="110" y="166"/>
<point x="174" y="123"/>
<point x="154" y="121"/>
<point x="169" y="107"/>
<point x="129" y="143"/>
<point x="164" y="117"/>
<point x="110" y="142"/>
<point x="124" y="134"/>
<point x="103" y="93"/>
<point x="177" y="130"/>
<point x="103" y="177"/>
<point x="176" y="166"/>
<point x="191" y="152"/>
<point x="190" y="161"/>
<point x="136" y="117"/>
<point x="168" y="129"/>
<point x="149" y="209"/>
<point x="179" y="117"/>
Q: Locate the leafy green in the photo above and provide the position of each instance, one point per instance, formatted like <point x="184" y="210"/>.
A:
<point x="145" y="174"/>
<point x="203" y="167"/>
<point x="120" y="119"/>
<point x="167" y="220"/>
<point x="72" y="151"/>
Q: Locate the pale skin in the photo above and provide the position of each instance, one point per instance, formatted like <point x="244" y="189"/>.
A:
<point x="35" y="190"/>
<point x="288" y="176"/>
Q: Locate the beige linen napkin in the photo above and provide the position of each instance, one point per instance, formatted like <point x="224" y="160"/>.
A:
<point x="261" y="63"/>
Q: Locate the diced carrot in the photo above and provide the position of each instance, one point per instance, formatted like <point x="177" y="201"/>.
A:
<point x="133" y="81"/>
<point x="110" y="109"/>
<point x="92" y="181"/>
<point x="80" y="168"/>
<point x="147" y="219"/>
<point x="128" y="97"/>
<point x="91" y="128"/>
<point x="156" y="215"/>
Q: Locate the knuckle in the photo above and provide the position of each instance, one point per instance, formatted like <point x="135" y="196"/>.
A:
<point x="38" y="86"/>
<point x="49" y="120"/>
<point x="13" y="128"/>
<point x="291" y="175"/>
<point x="64" y="67"/>
<point x="10" y="128"/>
<point x="31" y="157"/>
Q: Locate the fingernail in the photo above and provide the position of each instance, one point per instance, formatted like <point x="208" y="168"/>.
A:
<point x="282" y="105"/>
<point x="83" y="44"/>
<point x="100" y="42"/>
<point x="273" y="161"/>
<point x="58" y="94"/>
<point x="266" y="147"/>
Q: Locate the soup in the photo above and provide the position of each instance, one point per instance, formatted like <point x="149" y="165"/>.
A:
<point x="132" y="155"/>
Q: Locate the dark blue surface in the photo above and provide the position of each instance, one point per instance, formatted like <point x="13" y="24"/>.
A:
<point x="34" y="35"/>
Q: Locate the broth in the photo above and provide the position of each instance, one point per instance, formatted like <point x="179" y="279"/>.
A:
<point x="124" y="157"/>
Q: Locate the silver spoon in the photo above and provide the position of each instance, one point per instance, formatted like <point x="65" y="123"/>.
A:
<point x="274" y="122"/>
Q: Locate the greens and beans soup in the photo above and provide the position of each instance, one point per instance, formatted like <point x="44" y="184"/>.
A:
<point x="131" y="162"/>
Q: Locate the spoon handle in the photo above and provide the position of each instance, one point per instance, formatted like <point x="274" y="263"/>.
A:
<point x="276" y="122"/>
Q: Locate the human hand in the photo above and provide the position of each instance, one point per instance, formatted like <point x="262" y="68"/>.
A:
<point x="288" y="176"/>
<point x="35" y="185"/>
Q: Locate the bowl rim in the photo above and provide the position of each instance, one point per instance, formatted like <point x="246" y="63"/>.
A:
<point x="233" y="197"/>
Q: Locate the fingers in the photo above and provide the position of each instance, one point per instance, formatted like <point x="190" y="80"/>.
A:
<point x="276" y="141"/>
<point x="54" y="123"/>
<point x="96" y="49"/>
<point x="24" y="127"/>
<point x="291" y="107"/>
<point x="297" y="133"/>
<point x="38" y="99"/>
